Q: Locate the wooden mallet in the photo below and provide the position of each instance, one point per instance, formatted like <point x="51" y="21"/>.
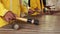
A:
<point x="17" y="26"/>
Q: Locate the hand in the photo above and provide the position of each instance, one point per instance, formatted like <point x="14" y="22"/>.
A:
<point x="9" y="16"/>
<point x="30" y="11"/>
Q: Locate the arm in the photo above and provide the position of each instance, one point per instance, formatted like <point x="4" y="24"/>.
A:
<point x="2" y="10"/>
<point x="6" y="14"/>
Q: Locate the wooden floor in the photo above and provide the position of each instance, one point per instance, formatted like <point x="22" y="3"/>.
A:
<point x="49" y="24"/>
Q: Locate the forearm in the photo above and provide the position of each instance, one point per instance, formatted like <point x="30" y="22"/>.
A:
<point x="2" y="10"/>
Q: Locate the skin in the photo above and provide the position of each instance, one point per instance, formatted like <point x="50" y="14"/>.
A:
<point x="9" y="16"/>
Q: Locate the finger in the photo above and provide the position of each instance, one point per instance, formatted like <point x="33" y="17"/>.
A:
<point x="6" y="18"/>
<point x="12" y="16"/>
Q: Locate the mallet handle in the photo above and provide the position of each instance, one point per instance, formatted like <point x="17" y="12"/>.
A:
<point x="24" y="19"/>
